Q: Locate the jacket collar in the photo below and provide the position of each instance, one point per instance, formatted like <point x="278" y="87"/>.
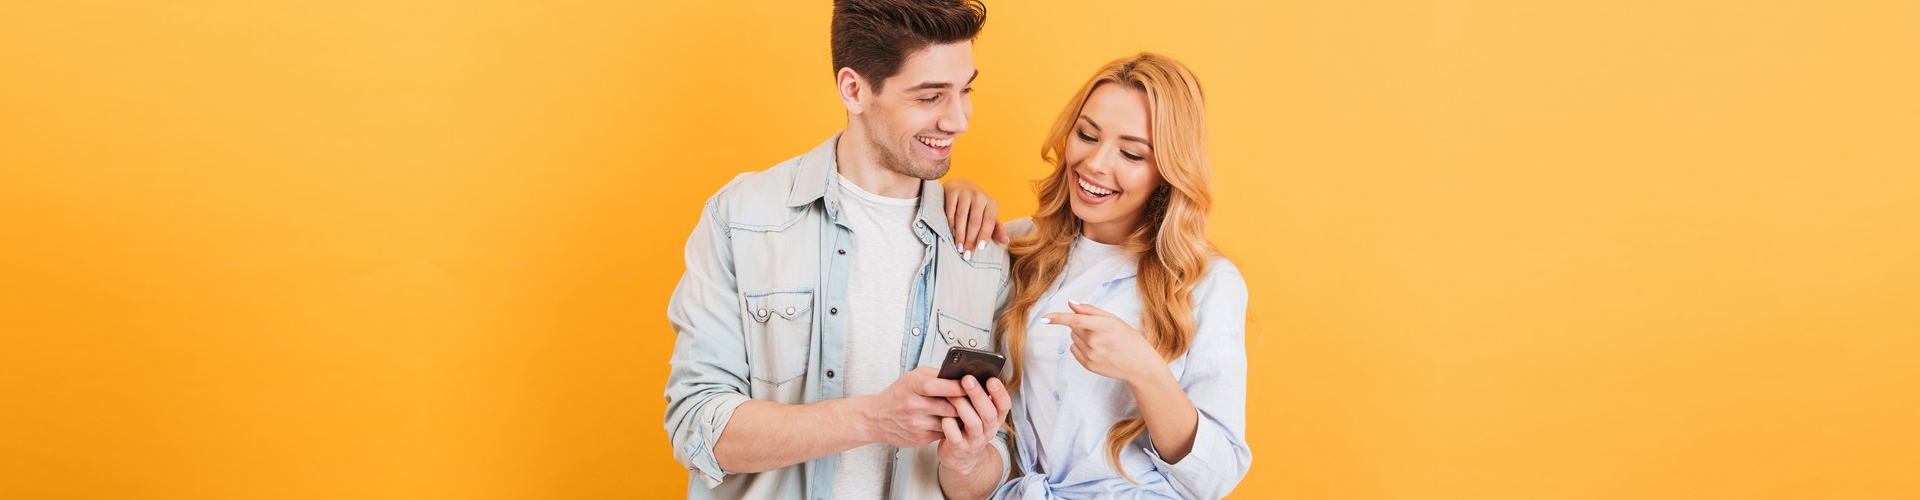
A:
<point x="819" y="169"/>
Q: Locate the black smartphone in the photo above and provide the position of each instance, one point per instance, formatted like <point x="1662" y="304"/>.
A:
<point x="980" y="364"/>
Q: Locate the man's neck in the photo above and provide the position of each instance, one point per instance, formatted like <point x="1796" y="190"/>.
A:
<point x="855" y="159"/>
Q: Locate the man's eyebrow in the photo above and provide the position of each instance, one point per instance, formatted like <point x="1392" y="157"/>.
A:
<point x="941" y="85"/>
<point x="1096" y="127"/>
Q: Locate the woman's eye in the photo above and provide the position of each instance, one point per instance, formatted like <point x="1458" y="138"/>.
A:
<point x="1132" y="156"/>
<point x="1083" y="136"/>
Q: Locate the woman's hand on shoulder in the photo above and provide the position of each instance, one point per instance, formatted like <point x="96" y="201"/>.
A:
<point x="972" y="215"/>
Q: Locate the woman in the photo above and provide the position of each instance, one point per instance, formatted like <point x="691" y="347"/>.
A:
<point x="1124" y="327"/>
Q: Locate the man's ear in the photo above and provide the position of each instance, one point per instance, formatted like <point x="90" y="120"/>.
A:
<point x="855" y="94"/>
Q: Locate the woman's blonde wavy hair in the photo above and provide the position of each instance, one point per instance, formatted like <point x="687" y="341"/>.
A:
<point x="1170" y="243"/>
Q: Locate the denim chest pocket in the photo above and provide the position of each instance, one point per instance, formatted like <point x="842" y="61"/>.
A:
<point x="779" y="333"/>
<point x="955" y="332"/>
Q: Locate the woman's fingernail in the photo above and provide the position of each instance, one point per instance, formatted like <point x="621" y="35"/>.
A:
<point x="1072" y="303"/>
<point x="969" y="256"/>
<point x="981" y="246"/>
<point x="1046" y="321"/>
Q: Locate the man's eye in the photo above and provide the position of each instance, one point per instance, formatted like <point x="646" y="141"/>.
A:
<point x="928" y="99"/>
<point x="1132" y="156"/>
<point x="1083" y="136"/>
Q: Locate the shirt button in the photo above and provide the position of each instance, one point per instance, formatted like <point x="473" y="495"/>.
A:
<point x="916" y="331"/>
<point x="829" y="373"/>
<point x="833" y="310"/>
<point x="973" y="342"/>
<point x="843" y="251"/>
<point x="762" y="313"/>
<point x="790" y="311"/>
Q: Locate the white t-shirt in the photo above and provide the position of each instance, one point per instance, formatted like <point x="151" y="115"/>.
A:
<point x="886" y="256"/>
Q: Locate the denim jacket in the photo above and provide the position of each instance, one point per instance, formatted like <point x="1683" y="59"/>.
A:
<point x="761" y="314"/>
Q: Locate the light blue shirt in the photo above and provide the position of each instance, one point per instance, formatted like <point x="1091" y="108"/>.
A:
<point x="1063" y="412"/>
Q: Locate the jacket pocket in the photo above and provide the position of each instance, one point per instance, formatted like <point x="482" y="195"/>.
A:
<point x="959" y="333"/>
<point x="779" y="334"/>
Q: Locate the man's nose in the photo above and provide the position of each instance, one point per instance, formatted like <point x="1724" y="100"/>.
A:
<point x="953" y="119"/>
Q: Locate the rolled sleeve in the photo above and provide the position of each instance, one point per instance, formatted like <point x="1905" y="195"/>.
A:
<point x="696" y="452"/>
<point x="1215" y="380"/>
<point x="1217" y="463"/>
<point x="1001" y="446"/>
<point x="708" y="378"/>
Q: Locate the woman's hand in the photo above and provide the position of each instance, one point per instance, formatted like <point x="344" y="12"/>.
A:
<point x="1107" y="345"/>
<point x="972" y="215"/>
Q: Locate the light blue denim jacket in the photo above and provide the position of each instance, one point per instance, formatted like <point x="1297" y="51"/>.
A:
<point x="761" y="313"/>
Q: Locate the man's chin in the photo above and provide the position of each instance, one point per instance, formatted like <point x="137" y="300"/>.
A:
<point x="928" y="170"/>
<point x="935" y="171"/>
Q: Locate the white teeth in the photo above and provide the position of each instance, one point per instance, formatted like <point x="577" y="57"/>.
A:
<point x="938" y="143"/>
<point x="1089" y="187"/>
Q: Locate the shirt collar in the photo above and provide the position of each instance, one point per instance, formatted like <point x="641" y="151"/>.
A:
<point x="819" y="169"/>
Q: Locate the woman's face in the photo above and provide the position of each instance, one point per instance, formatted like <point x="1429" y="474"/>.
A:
<point x="1109" y="155"/>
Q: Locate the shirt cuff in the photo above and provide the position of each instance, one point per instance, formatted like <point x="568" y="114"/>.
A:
<point x="699" y="450"/>
<point x="1207" y="441"/>
<point x="1006" y="459"/>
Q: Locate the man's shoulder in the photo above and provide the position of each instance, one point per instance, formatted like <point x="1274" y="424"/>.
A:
<point x="1020" y="227"/>
<point x="754" y="193"/>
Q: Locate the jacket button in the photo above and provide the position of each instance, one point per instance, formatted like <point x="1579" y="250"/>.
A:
<point x="973" y="342"/>
<point x="916" y="331"/>
<point x="790" y="311"/>
<point x="761" y="313"/>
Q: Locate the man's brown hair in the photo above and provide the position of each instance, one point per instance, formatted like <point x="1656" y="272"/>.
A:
<point x="874" y="36"/>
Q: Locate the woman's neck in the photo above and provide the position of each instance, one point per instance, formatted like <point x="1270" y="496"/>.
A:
<point x="1111" y="232"/>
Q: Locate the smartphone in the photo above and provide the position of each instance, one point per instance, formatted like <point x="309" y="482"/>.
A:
<point x="980" y="364"/>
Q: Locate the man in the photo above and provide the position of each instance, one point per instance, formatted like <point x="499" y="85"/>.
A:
<point x="817" y="292"/>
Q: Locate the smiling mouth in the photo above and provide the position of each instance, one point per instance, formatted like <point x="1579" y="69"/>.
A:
<point x="935" y="143"/>
<point x="1094" y="190"/>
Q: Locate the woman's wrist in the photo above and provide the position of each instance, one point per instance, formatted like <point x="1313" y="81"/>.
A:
<point x="1149" y="376"/>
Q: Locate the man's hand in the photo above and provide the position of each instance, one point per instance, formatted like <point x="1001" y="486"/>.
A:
<point x="980" y="413"/>
<point x="908" y="413"/>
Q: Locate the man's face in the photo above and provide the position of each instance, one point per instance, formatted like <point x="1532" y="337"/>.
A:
<point x="912" y="122"/>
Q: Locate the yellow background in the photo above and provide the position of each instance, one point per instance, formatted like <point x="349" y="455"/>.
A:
<point x="1498" y="250"/>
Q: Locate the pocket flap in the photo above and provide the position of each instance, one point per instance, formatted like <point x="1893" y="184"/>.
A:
<point x="956" y="332"/>
<point x="790" y="305"/>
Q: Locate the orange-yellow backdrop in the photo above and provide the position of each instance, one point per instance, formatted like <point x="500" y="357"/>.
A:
<point x="1503" y="249"/>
